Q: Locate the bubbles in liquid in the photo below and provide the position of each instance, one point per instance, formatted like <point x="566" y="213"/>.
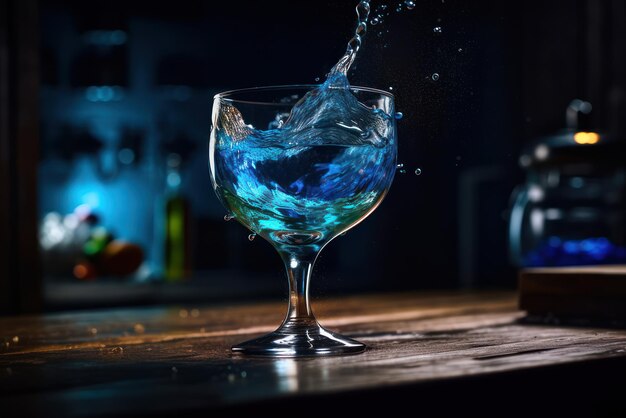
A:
<point x="418" y="171"/>
<point x="435" y="76"/>
<point x="398" y="115"/>
<point x="410" y="4"/>
<point x="375" y="21"/>
<point x="252" y="236"/>
<point x="228" y="217"/>
<point x="437" y="29"/>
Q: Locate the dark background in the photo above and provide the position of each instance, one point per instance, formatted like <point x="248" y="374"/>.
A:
<point x="507" y="71"/>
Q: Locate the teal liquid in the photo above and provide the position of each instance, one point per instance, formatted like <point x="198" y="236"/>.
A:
<point x="323" y="171"/>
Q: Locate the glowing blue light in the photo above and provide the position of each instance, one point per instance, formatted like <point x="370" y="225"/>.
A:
<point x="104" y="93"/>
<point x="596" y="250"/>
<point x="126" y="156"/>
<point x="173" y="179"/>
<point x="92" y="199"/>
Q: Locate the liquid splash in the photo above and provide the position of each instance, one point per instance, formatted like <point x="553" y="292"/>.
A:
<point x="323" y="167"/>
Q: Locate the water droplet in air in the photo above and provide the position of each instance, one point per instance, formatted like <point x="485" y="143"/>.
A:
<point x="402" y="171"/>
<point x="398" y="115"/>
<point x="435" y="76"/>
<point x="460" y="49"/>
<point x="375" y="21"/>
<point x="437" y="29"/>
<point x="390" y="88"/>
<point x="401" y="165"/>
<point x="252" y="236"/>
<point x="418" y="171"/>
<point x="381" y="7"/>
<point x="317" y="79"/>
<point x="228" y="217"/>
<point x="410" y="4"/>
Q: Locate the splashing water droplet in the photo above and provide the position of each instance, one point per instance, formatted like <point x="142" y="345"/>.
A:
<point x="375" y="21"/>
<point x="435" y="76"/>
<point x="402" y="171"/>
<point x="317" y="79"/>
<point x="252" y="236"/>
<point x="460" y="49"/>
<point x="228" y="217"/>
<point x="410" y="4"/>
<point x="398" y="115"/>
<point x="401" y="165"/>
<point x="390" y="88"/>
<point x="437" y="29"/>
<point x="418" y="171"/>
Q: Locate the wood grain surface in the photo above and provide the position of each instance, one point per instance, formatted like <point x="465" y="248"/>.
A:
<point x="176" y="360"/>
<point x="583" y="293"/>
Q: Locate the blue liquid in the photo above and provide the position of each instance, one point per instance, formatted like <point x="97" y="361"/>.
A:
<point x="590" y="251"/>
<point x="324" y="170"/>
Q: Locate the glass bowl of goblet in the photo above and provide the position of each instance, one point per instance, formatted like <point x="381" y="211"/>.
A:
<point x="298" y="166"/>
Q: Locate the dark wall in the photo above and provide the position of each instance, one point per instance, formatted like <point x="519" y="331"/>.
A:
<point x="20" y="275"/>
<point x="505" y="71"/>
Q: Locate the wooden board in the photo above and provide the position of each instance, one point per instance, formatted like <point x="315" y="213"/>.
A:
<point x="453" y="352"/>
<point x="583" y="293"/>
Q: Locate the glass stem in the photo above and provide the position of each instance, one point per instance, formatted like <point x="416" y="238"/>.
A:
<point x="299" y="270"/>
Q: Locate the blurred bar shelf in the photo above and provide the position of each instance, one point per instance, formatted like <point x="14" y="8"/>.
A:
<point x="465" y="354"/>
<point x="213" y="286"/>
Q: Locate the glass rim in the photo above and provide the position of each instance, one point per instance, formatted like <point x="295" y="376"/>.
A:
<point x="225" y="94"/>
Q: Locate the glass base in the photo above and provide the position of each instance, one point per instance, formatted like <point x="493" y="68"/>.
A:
<point x="297" y="338"/>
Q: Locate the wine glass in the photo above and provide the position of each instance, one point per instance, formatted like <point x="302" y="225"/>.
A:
<point x="299" y="165"/>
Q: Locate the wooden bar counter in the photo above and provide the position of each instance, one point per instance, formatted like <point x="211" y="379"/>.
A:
<point x="448" y="353"/>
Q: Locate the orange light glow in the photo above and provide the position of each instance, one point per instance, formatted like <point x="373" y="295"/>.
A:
<point x="586" y="138"/>
<point x="80" y="271"/>
<point x="84" y="271"/>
